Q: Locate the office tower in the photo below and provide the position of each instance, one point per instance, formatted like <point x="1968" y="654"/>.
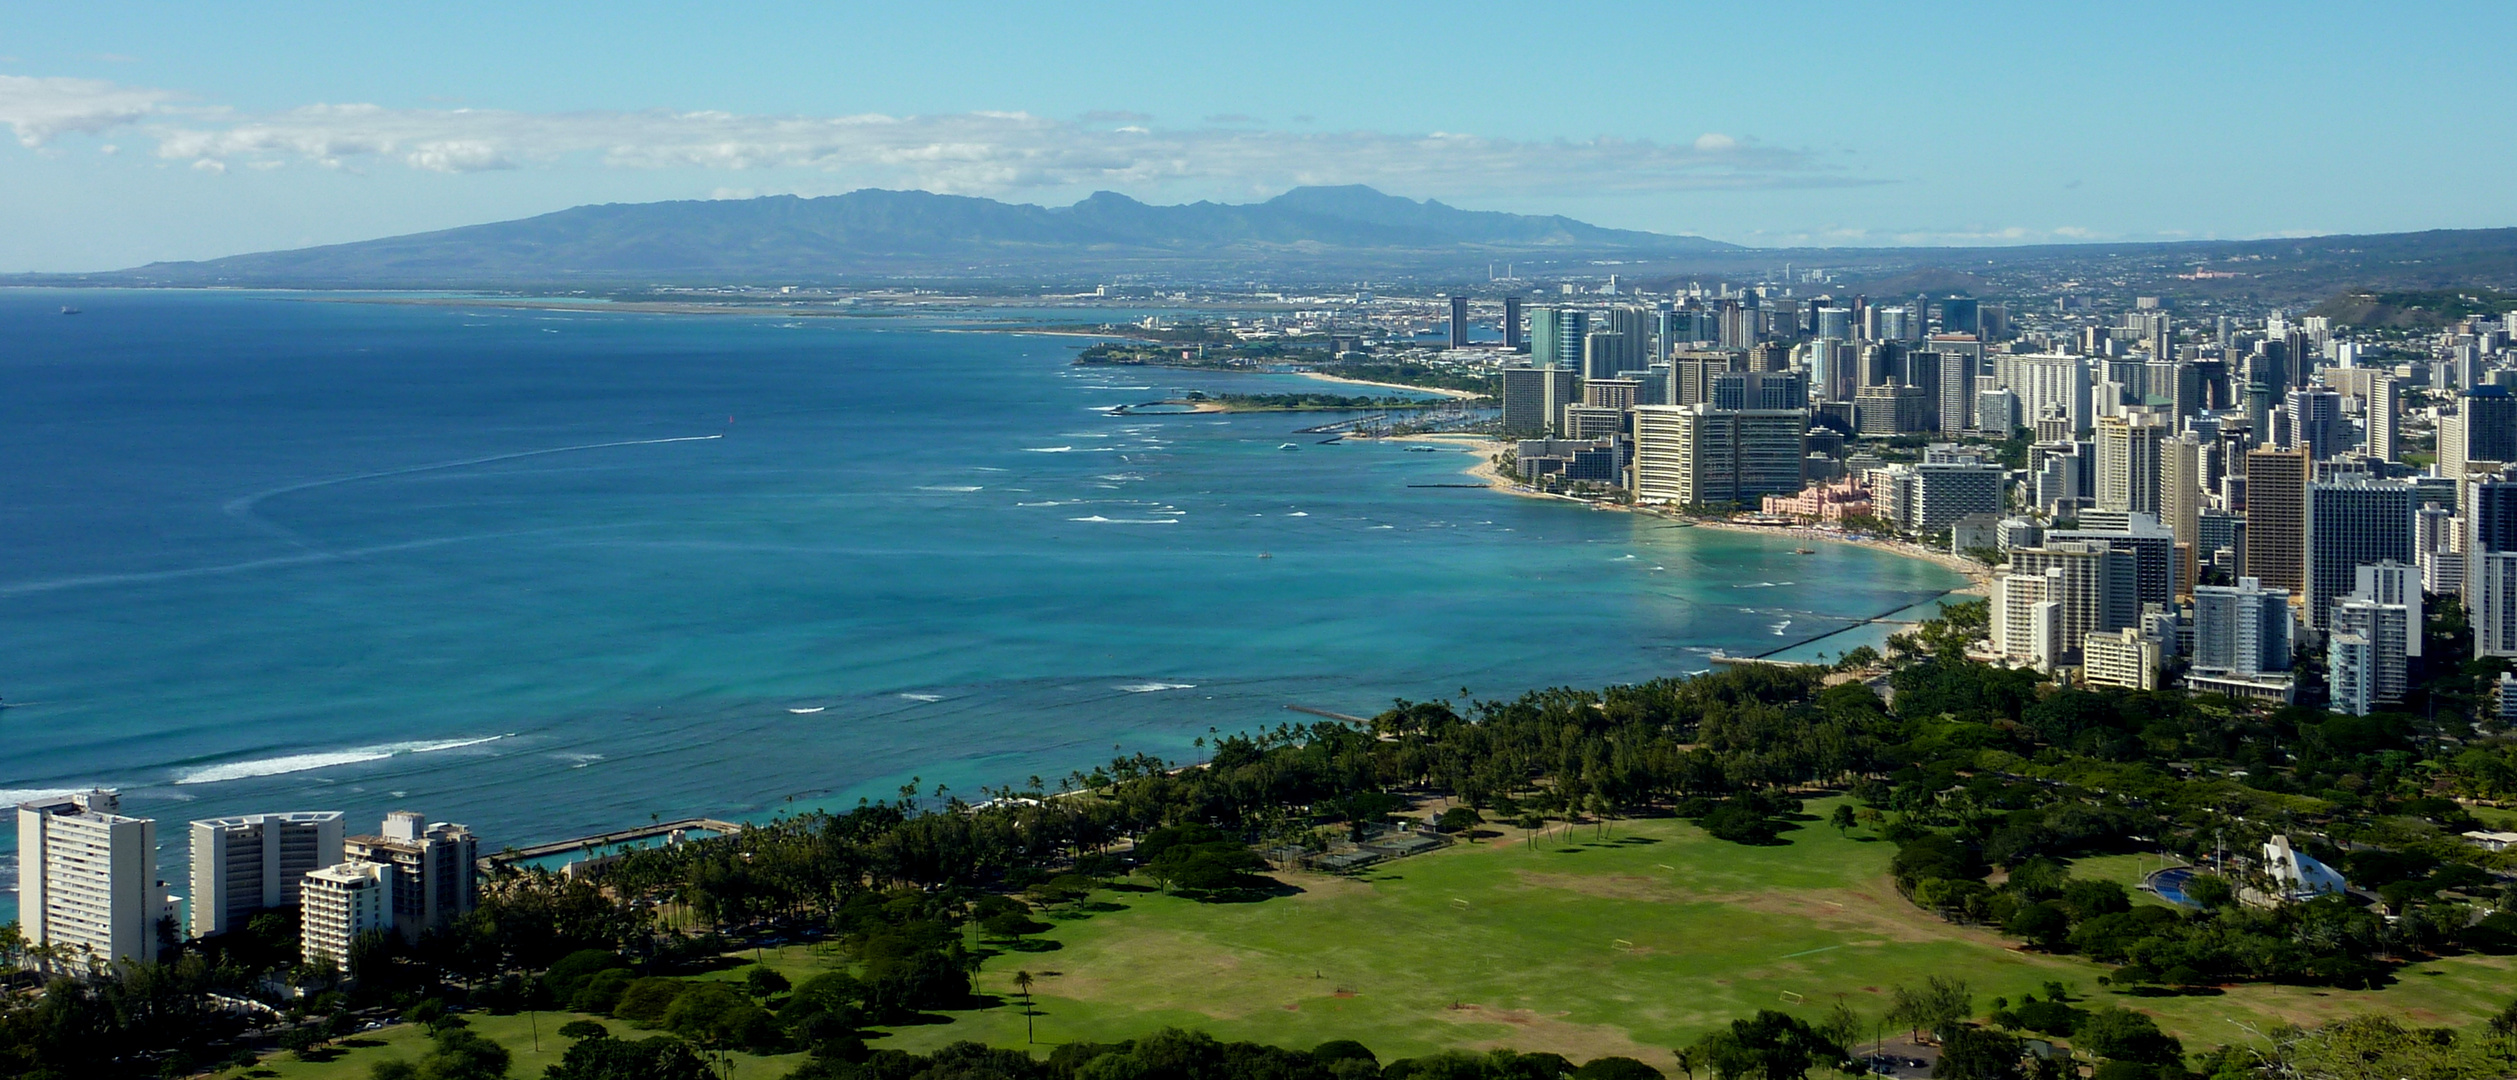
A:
<point x="2241" y="629"/>
<point x="87" y="879"/>
<point x="1700" y="455"/>
<point x="1929" y="496"/>
<point x="2259" y="414"/>
<point x="1512" y="324"/>
<point x="2085" y="581"/>
<point x="248" y="864"/>
<point x="1834" y="322"/>
<point x="344" y="903"/>
<point x="1960" y="315"/>
<point x="2482" y="429"/>
<point x="2491" y="602"/>
<point x="1555" y="337"/>
<point x="2316" y="423"/>
<point x="432" y="863"/>
<point x="1459" y="322"/>
<point x="2351" y="523"/>
<point x="2385" y="405"/>
<point x="1534" y="399"/>
<point x="2128" y="450"/>
<point x="2180" y="504"/>
<point x="2045" y="383"/>
<point x="2276" y="518"/>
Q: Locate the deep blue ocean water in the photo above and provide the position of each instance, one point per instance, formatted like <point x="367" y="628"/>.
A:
<point x="547" y="573"/>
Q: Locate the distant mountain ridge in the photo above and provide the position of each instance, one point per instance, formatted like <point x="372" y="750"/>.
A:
<point x="875" y="230"/>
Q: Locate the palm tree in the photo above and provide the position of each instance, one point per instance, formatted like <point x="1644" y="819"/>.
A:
<point x="1022" y="984"/>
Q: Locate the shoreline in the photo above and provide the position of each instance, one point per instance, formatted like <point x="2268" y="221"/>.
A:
<point x="1979" y="577"/>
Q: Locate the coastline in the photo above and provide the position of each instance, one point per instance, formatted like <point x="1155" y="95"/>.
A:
<point x="1979" y="576"/>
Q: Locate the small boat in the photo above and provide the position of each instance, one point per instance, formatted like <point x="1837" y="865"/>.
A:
<point x="808" y="712"/>
<point x="1804" y="551"/>
<point x="1288" y="446"/>
<point x="68" y="310"/>
<point x="1265" y="555"/>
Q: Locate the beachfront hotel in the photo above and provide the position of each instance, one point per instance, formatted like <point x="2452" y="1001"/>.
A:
<point x="254" y="862"/>
<point x="87" y="879"/>
<point x="433" y="873"/>
<point x="342" y="904"/>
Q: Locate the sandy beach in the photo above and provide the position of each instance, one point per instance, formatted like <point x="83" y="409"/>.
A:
<point x="1484" y="449"/>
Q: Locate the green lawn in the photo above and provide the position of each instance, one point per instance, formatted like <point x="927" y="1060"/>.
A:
<point x="1584" y="946"/>
<point x="1629" y="945"/>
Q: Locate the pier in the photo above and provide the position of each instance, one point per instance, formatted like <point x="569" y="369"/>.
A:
<point x="597" y="845"/>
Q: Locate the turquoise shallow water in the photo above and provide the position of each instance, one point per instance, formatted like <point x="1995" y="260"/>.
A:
<point x="548" y="573"/>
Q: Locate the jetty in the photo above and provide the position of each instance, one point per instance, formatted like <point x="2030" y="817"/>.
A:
<point x="599" y="844"/>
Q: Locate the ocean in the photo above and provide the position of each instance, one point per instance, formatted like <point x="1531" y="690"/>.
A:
<point x="549" y="573"/>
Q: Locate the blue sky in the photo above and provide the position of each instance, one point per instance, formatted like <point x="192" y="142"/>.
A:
<point x="162" y="131"/>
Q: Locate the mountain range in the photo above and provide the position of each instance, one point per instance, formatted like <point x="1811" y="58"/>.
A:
<point x="877" y="231"/>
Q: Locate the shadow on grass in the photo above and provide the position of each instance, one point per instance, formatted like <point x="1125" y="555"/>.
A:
<point x="361" y="1044"/>
<point x="1262" y="889"/>
<point x="1633" y="841"/>
<point x="1036" y="945"/>
<point x="1129" y="886"/>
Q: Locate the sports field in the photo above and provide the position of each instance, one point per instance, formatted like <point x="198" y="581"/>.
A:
<point x="1630" y="943"/>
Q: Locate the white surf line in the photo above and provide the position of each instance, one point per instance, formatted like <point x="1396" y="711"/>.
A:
<point x="242" y="506"/>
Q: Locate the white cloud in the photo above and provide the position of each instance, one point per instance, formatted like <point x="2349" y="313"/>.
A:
<point x="42" y="109"/>
<point x="977" y="153"/>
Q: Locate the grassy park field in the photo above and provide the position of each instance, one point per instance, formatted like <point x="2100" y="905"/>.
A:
<point x="1632" y="943"/>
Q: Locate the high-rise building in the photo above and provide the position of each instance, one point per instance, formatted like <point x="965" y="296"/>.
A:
<point x="2048" y="382"/>
<point x="1697" y="454"/>
<point x="2027" y="619"/>
<point x="2482" y="429"/>
<point x="87" y="879"/>
<point x="2398" y="584"/>
<point x="1534" y="399"/>
<point x="1555" y="337"/>
<point x="252" y="863"/>
<point x="2128" y="463"/>
<point x="2181" y="496"/>
<point x="2126" y="659"/>
<point x="433" y="875"/>
<point x="2276" y="518"/>
<point x="1834" y="322"/>
<point x="1882" y="411"/>
<point x="1960" y="315"/>
<point x="2316" y="422"/>
<point x="1954" y="383"/>
<point x="1459" y="322"/>
<point x="1512" y="324"/>
<point x="2351" y="522"/>
<point x="2153" y="548"/>
<point x="1997" y="412"/>
<point x="1603" y="354"/>
<point x="2241" y="629"/>
<point x="1611" y="393"/>
<point x="2365" y="655"/>
<point x="2084" y="581"/>
<point x="2385" y="408"/>
<point x="1926" y="497"/>
<point x="2491" y="602"/>
<point x="344" y="903"/>
<point x="1633" y="349"/>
